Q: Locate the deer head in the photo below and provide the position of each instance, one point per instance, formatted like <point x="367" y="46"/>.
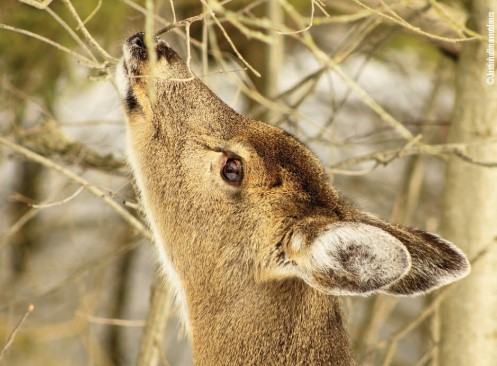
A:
<point x="250" y="230"/>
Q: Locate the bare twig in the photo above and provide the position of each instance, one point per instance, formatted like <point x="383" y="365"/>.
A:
<point x="322" y="57"/>
<point x="18" y="225"/>
<point x="458" y="27"/>
<point x="160" y="303"/>
<point x="234" y="19"/>
<point x="68" y="29"/>
<point x="172" y="10"/>
<point x="205" y="45"/>
<point x="149" y="42"/>
<point x="15" y="330"/>
<point x="86" y="184"/>
<point x="366" y="98"/>
<point x="89" y="38"/>
<point x="42" y="4"/>
<point x="386" y="156"/>
<point x="158" y="19"/>
<point x="110" y="321"/>
<point x="102" y="261"/>
<point x="92" y="14"/>
<point x="426" y="357"/>
<point x="182" y="23"/>
<point x="58" y="203"/>
<point x="397" y="19"/>
<point x="188" y="50"/>
<point x="291" y="9"/>
<point x="229" y="40"/>
<point x="86" y="61"/>
<point x="48" y="140"/>
<point x="26" y="97"/>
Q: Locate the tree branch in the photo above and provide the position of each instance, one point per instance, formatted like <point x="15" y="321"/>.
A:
<point x="125" y="215"/>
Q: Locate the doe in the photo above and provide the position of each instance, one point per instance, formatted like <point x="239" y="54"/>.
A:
<point x="256" y="241"/>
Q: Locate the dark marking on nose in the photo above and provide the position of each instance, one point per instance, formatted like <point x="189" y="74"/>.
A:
<point x="137" y="40"/>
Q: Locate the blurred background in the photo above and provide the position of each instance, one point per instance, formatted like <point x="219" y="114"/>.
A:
<point x="386" y="93"/>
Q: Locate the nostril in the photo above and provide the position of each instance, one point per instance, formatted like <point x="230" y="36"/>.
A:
<point x="137" y="40"/>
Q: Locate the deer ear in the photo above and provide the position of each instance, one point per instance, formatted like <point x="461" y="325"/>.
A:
<point x="351" y="258"/>
<point x="359" y="258"/>
<point x="345" y="258"/>
<point x="435" y="262"/>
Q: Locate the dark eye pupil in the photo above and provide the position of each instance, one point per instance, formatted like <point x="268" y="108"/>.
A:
<point x="232" y="170"/>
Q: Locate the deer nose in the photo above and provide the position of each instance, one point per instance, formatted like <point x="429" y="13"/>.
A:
<point x="137" y="40"/>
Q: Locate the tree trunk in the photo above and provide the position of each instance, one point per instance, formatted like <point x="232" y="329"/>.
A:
<point x="469" y="321"/>
<point x="267" y="59"/>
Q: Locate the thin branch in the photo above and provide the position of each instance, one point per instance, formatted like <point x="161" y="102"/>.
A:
<point x="426" y="357"/>
<point x="386" y="156"/>
<point x="398" y="20"/>
<point x="188" y="50"/>
<point x="320" y="4"/>
<point x="366" y="98"/>
<point x="458" y="27"/>
<point x="89" y="38"/>
<point x="205" y="46"/>
<point x="86" y="61"/>
<point x="133" y="205"/>
<point x="160" y="304"/>
<point x="68" y="29"/>
<point x="92" y="14"/>
<point x="48" y="140"/>
<point x="37" y="4"/>
<point x="103" y="260"/>
<point x="18" y="225"/>
<point x="158" y="19"/>
<point x="149" y="43"/>
<point x="160" y="351"/>
<point x="321" y="56"/>
<point x="342" y="19"/>
<point x="26" y="97"/>
<point x="15" y="330"/>
<point x="234" y="19"/>
<point x="136" y="224"/>
<point x="182" y="23"/>
<point x="229" y="40"/>
<point x="291" y="9"/>
<point x="252" y="93"/>
<point x="110" y="321"/>
<point x="58" y="203"/>
<point x="172" y="10"/>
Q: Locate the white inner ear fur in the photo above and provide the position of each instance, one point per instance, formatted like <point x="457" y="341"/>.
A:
<point x="371" y="253"/>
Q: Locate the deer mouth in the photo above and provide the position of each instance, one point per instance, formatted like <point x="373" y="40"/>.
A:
<point x="130" y="69"/>
<point x="135" y="53"/>
<point x="133" y="68"/>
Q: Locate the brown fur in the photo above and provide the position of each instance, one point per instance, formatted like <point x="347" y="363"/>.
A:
<point x="243" y="255"/>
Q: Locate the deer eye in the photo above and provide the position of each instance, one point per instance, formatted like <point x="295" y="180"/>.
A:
<point x="232" y="171"/>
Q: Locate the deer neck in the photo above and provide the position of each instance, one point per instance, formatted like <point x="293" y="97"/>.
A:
<point x="281" y="323"/>
<point x="244" y="322"/>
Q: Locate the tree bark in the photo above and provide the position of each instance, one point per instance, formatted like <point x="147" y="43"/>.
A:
<point x="267" y="59"/>
<point x="468" y="316"/>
